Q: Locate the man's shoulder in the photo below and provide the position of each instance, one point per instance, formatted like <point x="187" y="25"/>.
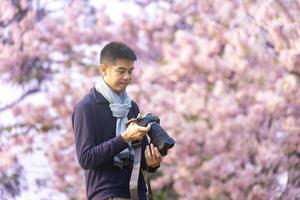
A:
<point x="135" y="107"/>
<point x="85" y="101"/>
<point x="83" y="108"/>
<point x="134" y="104"/>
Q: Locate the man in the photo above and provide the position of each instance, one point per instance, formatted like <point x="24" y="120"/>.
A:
<point x="103" y="142"/>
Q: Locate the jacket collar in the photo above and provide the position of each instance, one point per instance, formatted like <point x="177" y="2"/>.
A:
<point x="99" y="98"/>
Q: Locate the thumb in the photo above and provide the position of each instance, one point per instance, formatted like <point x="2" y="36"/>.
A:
<point x="149" y="126"/>
<point x="145" y="129"/>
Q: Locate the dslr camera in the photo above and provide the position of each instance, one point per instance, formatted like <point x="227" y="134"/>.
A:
<point x="157" y="134"/>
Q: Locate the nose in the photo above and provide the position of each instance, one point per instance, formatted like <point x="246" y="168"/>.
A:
<point x="127" y="76"/>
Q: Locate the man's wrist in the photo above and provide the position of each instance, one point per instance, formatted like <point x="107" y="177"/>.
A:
<point x="154" y="166"/>
<point x="124" y="136"/>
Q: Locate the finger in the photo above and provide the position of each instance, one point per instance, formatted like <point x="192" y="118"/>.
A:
<point x="141" y="135"/>
<point x="133" y="123"/>
<point x="157" y="153"/>
<point x="148" y="126"/>
<point x="144" y="129"/>
<point x="148" y="153"/>
<point x="152" y="149"/>
<point x="131" y="120"/>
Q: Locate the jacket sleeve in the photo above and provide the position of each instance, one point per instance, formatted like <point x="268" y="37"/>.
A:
<point x="89" y="154"/>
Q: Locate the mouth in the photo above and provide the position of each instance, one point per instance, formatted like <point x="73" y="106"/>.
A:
<point x="122" y="85"/>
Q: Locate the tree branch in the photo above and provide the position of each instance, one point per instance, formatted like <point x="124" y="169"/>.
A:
<point x="31" y="91"/>
<point x="19" y="15"/>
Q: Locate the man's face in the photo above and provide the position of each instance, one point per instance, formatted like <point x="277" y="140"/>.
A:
<point x="117" y="75"/>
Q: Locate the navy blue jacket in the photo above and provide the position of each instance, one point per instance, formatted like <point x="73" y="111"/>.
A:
<point x="96" y="145"/>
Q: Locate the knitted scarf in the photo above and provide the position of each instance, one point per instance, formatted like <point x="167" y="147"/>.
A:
<point x="119" y="106"/>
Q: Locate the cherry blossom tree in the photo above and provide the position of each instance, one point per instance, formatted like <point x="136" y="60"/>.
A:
<point x="223" y="77"/>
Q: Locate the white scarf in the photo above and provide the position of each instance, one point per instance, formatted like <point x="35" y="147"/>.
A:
<point x="119" y="106"/>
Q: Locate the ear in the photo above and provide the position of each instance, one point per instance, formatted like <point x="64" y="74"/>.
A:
<point x="103" y="69"/>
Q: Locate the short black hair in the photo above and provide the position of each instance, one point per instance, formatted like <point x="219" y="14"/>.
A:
<point x="116" y="50"/>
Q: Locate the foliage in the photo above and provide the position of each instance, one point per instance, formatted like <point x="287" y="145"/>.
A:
<point x="222" y="75"/>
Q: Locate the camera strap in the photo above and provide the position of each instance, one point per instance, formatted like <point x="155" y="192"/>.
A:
<point x="133" y="184"/>
<point x="147" y="181"/>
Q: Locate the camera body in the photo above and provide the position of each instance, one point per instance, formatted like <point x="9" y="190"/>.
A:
<point x="157" y="134"/>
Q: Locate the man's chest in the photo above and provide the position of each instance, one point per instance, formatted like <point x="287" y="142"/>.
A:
<point x="105" y="123"/>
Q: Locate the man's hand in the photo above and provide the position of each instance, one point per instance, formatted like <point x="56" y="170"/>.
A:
<point x="135" y="132"/>
<point x="152" y="156"/>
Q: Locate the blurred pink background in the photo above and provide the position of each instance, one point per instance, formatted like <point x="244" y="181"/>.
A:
<point x="222" y="75"/>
